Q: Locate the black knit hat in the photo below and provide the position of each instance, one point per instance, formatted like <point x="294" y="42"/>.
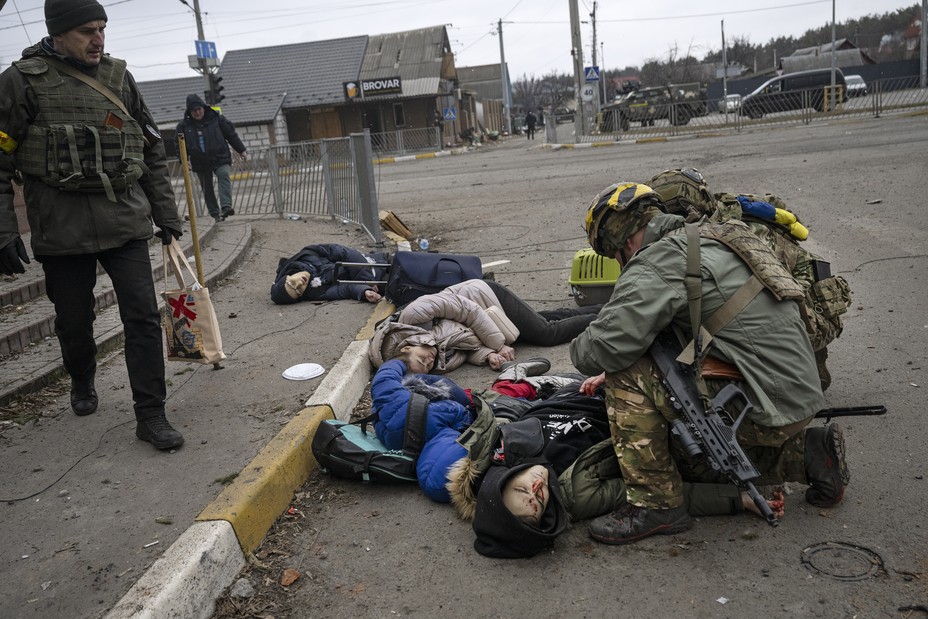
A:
<point x="64" y="15"/>
<point x="503" y="536"/>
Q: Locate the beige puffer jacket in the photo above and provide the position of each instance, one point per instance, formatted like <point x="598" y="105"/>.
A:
<point x="456" y="322"/>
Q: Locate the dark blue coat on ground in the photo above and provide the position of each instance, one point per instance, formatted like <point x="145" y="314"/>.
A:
<point x="319" y="261"/>
<point x="449" y="413"/>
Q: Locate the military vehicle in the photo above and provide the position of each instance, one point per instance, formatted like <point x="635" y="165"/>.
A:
<point x="675" y="102"/>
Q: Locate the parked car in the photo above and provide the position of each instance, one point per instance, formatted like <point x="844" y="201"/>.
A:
<point x="856" y="86"/>
<point x="564" y="115"/>
<point x="792" y="91"/>
<point x="730" y="104"/>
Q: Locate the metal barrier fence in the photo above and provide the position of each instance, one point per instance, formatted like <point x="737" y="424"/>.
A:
<point x="887" y="96"/>
<point x="404" y="141"/>
<point x="332" y="177"/>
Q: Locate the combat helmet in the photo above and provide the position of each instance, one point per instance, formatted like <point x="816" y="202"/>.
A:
<point x="616" y="214"/>
<point x="684" y="192"/>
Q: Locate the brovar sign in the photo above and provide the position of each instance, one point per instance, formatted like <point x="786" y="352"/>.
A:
<point x="382" y="86"/>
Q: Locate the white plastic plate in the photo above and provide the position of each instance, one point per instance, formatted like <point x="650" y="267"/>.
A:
<point x="303" y="371"/>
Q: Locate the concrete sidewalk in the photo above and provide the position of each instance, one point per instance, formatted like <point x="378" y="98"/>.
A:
<point x="206" y="559"/>
<point x="92" y="509"/>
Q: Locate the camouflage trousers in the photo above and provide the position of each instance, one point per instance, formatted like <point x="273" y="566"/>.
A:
<point x="654" y="467"/>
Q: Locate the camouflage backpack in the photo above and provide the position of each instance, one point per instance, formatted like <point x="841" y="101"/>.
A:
<point x="684" y="192"/>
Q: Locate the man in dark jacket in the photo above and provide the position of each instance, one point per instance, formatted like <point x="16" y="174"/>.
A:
<point x="208" y="135"/>
<point x="90" y="200"/>
<point x="310" y="275"/>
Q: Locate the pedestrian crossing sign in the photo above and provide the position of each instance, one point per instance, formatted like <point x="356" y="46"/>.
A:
<point x="591" y="74"/>
<point x="449" y="113"/>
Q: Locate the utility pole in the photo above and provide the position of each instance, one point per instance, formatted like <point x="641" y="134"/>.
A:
<point x="923" y="44"/>
<point x="724" y="69"/>
<point x="504" y="78"/>
<point x="834" y="60"/>
<point x="596" y="102"/>
<point x="577" y="52"/>
<point x="602" y="71"/>
<point x="201" y="61"/>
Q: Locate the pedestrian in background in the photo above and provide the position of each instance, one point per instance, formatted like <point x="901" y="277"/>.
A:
<point x="208" y="135"/>
<point x="101" y="210"/>
<point x="530" y="121"/>
<point x="439" y="122"/>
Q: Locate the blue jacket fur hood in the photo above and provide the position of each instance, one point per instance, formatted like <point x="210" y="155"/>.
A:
<point x="449" y="413"/>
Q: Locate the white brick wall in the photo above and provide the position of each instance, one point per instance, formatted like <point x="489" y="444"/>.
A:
<point x="257" y="137"/>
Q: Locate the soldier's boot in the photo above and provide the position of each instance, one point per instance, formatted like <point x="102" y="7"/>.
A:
<point x="83" y="397"/>
<point x="826" y="468"/>
<point x="158" y="432"/>
<point x="631" y="523"/>
<point x="519" y="370"/>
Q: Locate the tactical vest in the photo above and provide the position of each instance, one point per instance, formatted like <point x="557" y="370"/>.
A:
<point x="80" y="141"/>
<point x="765" y="265"/>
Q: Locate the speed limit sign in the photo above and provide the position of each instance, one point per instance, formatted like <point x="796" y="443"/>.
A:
<point x="588" y="92"/>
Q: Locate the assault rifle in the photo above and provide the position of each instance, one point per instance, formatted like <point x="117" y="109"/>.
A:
<point x="709" y="433"/>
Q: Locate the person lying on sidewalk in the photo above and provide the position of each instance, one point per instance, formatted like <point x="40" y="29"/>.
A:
<point x="310" y="275"/>
<point x="475" y="321"/>
<point x="573" y="427"/>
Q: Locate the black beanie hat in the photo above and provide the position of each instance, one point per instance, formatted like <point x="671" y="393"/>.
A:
<point x="64" y="15"/>
<point x="503" y="536"/>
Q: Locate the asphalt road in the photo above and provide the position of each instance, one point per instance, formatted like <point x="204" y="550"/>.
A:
<point x="859" y="185"/>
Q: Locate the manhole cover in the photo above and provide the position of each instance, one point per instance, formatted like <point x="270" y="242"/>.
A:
<point x="842" y="561"/>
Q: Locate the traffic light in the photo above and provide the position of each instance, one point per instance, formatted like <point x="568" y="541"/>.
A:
<point x="214" y="96"/>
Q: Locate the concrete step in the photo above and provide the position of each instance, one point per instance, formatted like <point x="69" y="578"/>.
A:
<point x="30" y="357"/>
<point x="26" y="314"/>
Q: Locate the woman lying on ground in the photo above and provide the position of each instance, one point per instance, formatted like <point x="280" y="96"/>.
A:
<point x="475" y="322"/>
<point x="514" y="448"/>
<point x="310" y="275"/>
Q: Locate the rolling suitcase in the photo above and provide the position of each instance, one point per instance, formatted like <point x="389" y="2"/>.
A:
<point x="413" y="274"/>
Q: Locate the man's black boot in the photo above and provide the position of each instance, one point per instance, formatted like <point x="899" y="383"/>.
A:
<point x="826" y="469"/>
<point x="158" y="432"/>
<point x="83" y="397"/>
<point x="630" y="523"/>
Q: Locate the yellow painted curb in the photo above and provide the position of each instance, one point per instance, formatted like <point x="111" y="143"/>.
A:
<point x="383" y="309"/>
<point x="384" y="160"/>
<point x="601" y="144"/>
<point x="649" y="140"/>
<point x="262" y="491"/>
<point x="426" y="156"/>
<point x="241" y="176"/>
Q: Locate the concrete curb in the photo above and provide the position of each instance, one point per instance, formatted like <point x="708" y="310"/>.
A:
<point x="205" y="560"/>
<point x="402" y="158"/>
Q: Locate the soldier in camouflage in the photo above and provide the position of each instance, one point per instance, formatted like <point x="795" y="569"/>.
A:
<point x="75" y="132"/>
<point x="766" y="343"/>
<point x="827" y="297"/>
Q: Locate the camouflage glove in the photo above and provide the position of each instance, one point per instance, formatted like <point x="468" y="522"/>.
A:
<point x="12" y="257"/>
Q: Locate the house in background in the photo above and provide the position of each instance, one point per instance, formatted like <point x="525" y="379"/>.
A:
<point x="819" y="57"/>
<point x="325" y="89"/>
<point x="482" y="92"/>
<point x="406" y="77"/>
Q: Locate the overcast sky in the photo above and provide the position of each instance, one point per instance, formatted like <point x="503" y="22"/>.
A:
<point x="156" y="36"/>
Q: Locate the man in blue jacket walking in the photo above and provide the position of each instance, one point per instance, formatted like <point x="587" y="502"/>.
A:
<point x="208" y="135"/>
